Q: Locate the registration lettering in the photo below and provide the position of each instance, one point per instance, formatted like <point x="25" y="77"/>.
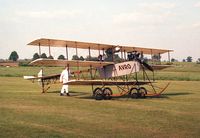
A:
<point x="124" y="67"/>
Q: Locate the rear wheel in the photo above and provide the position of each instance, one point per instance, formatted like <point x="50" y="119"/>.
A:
<point x="107" y="92"/>
<point x="98" y="94"/>
<point x="133" y="93"/>
<point x="142" y="91"/>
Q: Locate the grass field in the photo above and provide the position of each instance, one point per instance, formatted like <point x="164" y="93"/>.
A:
<point x="25" y="112"/>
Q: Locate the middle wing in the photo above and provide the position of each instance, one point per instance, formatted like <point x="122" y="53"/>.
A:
<point x="71" y="63"/>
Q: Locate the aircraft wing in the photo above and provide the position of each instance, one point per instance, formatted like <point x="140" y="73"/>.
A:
<point x="48" y="77"/>
<point x="160" y="67"/>
<point x="105" y="82"/>
<point x="71" y="63"/>
<point x="95" y="46"/>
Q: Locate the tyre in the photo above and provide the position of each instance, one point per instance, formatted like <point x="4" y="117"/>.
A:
<point x="107" y="92"/>
<point x="142" y="91"/>
<point x="98" y="94"/>
<point x="133" y="93"/>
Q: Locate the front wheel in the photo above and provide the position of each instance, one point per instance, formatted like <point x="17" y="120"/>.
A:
<point x="98" y="94"/>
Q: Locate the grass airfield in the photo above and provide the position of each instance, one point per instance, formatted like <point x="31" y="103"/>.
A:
<point x="25" y="112"/>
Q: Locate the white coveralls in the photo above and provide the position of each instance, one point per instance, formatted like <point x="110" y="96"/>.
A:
<point x="64" y="79"/>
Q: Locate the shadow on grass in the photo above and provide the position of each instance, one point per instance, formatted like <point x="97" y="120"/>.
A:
<point x="85" y="95"/>
<point x="177" y="94"/>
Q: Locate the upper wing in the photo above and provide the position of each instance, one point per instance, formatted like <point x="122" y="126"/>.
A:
<point x="71" y="63"/>
<point x="94" y="46"/>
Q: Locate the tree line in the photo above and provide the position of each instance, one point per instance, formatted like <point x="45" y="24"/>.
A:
<point x="109" y="55"/>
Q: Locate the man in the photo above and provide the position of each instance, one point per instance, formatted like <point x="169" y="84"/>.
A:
<point x="64" y="79"/>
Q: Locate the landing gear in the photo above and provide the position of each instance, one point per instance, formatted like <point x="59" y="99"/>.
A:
<point x="137" y="92"/>
<point x="107" y="92"/>
<point x="100" y="94"/>
<point x="133" y="93"/>
<point x="143" y="92"/>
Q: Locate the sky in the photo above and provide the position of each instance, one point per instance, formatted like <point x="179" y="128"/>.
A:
<point x="166" y="24"/>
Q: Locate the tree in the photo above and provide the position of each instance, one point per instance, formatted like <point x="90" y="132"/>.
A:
<point x="189" y="59"/>
<point x="13" y="56"/>
<point x="89" y="58"/>
<point x="36" y="56"/>
<point x="156" y="57"/>
<point x="50" y="57"/>
<point x="81" y="58"/>
<point x="43" y="55"/>
<point x="172" y="60"/>
<point x="75" y="57"/>
<point x="61" y="57"/>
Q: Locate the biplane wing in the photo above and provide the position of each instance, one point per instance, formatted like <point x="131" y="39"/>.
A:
<point x="71" y="63"/>
<point x="105" y="82"/>
<point x="160" y="67"/>
<point x="43" y="77"/>
<point x="94" y="46"/>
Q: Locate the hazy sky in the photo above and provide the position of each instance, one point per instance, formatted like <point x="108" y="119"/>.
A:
<point x="168" y="24"/>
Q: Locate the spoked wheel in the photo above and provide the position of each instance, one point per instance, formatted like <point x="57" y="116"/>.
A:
<point x="98" y="94"/>
<point x="133" y="93"/>
<point x="142" y="92"/>
<point x="107" y="92"/>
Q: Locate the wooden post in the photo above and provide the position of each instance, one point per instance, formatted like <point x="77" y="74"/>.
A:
<point x="78" y="70"/>
<point x="76" y="49"/>
<point x="121" y="53"/>
<point x="124" y="55"/>
<point x="39" y="50"/>
<point x="91" y="75"/>
<point x="159" y="58"/>
<point x="169" y="56"/>
<point x="152" y="56"/>
<point x="89" y="53"/>
<point x="113" y="54"/>
<point x="49" y="49"/>
<point x="99" y="49"/>
<point x="66" y="52"/>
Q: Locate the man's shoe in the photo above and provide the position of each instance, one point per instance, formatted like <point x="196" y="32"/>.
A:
<point x="68" y="94"/>
<point x="61" y="94"/>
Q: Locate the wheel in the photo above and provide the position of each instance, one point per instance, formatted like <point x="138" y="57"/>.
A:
<point x="142" y="91"/>
<point x="98" y="94"/>
<point x="107" y="92"/>
<point x="133" y="93"/>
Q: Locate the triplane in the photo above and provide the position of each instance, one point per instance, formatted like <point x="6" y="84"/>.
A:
<point x="130" y="75"/>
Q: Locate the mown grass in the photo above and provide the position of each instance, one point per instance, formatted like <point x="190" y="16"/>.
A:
<point x="25" y="112"/>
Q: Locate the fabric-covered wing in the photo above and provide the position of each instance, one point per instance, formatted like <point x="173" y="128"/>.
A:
<point x="95" y="46"/>
<point x="105" y="82"/>
<point x="71" y="63"/>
